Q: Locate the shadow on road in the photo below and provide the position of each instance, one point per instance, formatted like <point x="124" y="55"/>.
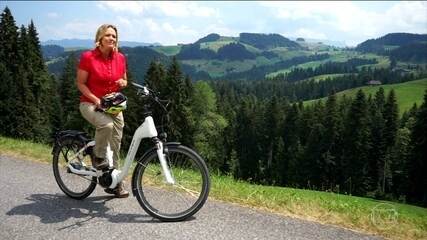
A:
<point x="59" y="208"/>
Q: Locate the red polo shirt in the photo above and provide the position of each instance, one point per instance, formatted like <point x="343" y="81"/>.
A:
<point x="103" y="72"/>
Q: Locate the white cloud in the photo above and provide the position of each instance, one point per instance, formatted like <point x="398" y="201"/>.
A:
<point x="306" y="33"/>
<point x="164" y="22"/>
<point x="165" y="8"/>
<point x="349" y="19"/>
<point x="181" y="9"/>
<point x="52" y="15"/>
<point x="122" y="6"/>
<point x="74" y="29"/>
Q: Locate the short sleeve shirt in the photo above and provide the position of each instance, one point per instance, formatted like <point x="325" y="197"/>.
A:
<point x="103" y="72"/>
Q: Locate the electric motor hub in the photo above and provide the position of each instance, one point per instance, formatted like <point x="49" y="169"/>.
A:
<point x="105" y="180"/>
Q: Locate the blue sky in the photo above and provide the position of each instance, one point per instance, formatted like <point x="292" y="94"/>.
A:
<point x="170" y="23"/>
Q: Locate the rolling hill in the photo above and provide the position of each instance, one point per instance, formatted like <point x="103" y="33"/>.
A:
<point x="253" y="56"/>
<point x="400" y="46"/>
<point x="407" y="93"/>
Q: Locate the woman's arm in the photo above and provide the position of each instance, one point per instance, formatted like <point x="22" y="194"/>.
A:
<point x="81" y="80"/>
<point x="122" y="82"/>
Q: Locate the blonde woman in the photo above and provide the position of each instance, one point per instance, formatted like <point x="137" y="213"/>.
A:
<point x="101" y="71"/>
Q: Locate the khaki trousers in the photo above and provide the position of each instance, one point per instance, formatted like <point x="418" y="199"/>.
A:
<point x="109" y="130"/>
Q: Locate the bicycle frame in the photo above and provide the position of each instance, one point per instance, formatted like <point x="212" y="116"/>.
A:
<point x="146" y="130"/>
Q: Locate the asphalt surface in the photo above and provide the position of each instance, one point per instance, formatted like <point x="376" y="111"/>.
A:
<point x="33" y="207"/>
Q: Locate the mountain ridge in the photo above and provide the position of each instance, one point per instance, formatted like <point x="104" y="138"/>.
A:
<point x="88" y="43"/>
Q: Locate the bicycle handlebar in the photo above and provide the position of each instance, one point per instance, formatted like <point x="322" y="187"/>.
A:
<point x="142" y="89"/>
<point x="147" y="92"/>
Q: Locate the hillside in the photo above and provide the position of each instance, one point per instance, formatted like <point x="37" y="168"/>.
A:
<point x="400" y="46"/>
<point x="407" y="93"/>
<point x="88" y="43"/>
<point x="252" y="56"/>
<point x="138" y="60"/>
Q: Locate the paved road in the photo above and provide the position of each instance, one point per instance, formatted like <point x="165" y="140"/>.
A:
<point x="33" y="207"/>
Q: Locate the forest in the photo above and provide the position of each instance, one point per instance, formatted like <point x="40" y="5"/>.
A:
<point x="257" y="131"/>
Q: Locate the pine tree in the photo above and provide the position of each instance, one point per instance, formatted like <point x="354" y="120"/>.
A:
<point x="391" y="115"/>
<point x="35" y="53"/>
<point x="247" y="148"/>
<point x="69" y="97"/>
<point x="356" y="146"/>
<point x="418" y="159"/>
<point x="180" y="127"/>
<point x="378" y="151"/>
<point x="332" y="141"/>
<point x="209" y="125"/>
<point x="133" y="114"/>
<point x="155" y="78"/>
<point x="273" y="124"/>
<point x="289" y="165"/>
<point x="24" y="101"/>
<point x="42" y="86"/>
<point x="9" y="66"/>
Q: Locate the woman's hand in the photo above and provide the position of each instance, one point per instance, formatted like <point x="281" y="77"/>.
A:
<point x="98" y="103"/>
<point x="122" y="83"/>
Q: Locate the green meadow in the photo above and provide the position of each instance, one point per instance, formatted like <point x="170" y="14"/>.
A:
<point x="407" y="93"/>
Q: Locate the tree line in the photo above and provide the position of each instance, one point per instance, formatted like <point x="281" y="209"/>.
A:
<point x="356" y="146"/>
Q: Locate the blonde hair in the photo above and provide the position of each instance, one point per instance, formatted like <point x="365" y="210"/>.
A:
<point x="100" y="33"/>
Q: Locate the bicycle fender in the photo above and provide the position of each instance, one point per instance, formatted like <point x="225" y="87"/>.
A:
<point x="69" y="134"/>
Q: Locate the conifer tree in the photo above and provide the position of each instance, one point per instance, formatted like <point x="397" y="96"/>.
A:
<point x="9" y="65"/>
<point x="180" y="127"/>
<point x="42" y="86"/>
<point x="273" y="123"/>
<point x="24" y="112"/>
<point x="356" y="146"/>
<point x="35" y="53"/>
<point x="390" y="130"/>
<point x="70" y="97"/>
<point x="332" y="141"/>
<point x="155" y="77"/>
<point x="377" y="154"/>
<point x="208" y="124"/>
<point x="246" y="140"/>
<point x="133" y="114"/>
<point x="289" y="165"/>
<point x="418" y="159"/>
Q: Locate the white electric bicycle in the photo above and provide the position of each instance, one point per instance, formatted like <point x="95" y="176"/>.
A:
<point x="170" y="181"/>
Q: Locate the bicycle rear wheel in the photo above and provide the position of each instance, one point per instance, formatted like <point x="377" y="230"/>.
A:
<point x="172" y="202"/>
<point x="73" y="185"/>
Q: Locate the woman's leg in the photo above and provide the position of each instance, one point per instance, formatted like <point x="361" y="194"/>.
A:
<point x="104" y="125"/>
<point x="116" y="138"/>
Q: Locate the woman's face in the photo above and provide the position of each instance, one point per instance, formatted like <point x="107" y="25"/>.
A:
<point x="109" y="39"/>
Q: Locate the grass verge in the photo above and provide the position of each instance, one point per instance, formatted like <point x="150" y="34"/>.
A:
<point x="387" y="219"/>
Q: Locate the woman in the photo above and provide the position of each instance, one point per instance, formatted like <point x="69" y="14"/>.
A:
<point x="102" y="71"/>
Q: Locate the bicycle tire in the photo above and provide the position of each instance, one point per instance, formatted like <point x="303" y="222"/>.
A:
<point x="60" y="154"/>
<point x="145" y="190"/>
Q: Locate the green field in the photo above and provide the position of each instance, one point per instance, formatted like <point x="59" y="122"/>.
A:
<point x="337" y="56"/>
<point x="386" y="219"/>
<point x="323" y="77"/>
<point x="407" y="93"/>
<point x="214" y="46"/>
<point x="168" y="50"/>
<point x="217" y="68"/>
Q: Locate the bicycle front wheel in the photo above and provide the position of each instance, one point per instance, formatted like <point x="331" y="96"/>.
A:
<point x="73" y="185"/>
<point x="172" y="202"/>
